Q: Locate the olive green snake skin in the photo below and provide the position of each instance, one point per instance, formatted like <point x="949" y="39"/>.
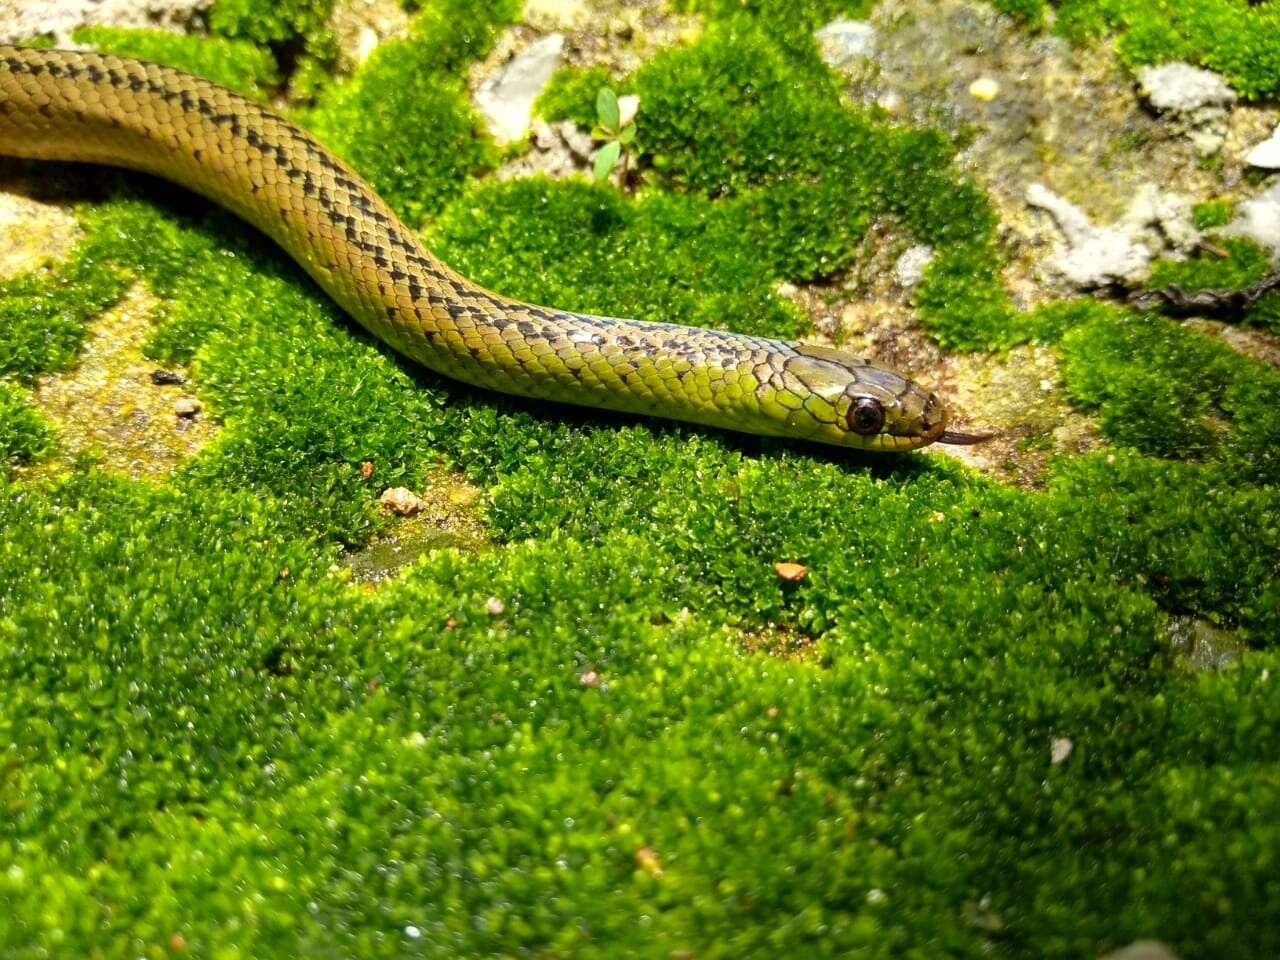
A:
<point x="63" y="105"/>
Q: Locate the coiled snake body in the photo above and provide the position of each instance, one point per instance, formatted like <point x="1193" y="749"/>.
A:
<point x="62" y="105"/>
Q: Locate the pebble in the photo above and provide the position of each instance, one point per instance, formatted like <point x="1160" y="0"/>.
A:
<point x="505" y="98"/>
<point x="842" y="43"/>
<point x="187" y="407"/>
<point x="167" y="378"/>
<point x="1059" y="749"/>
<point x="401" y="501"/>
<point x="910" y="267"/>
<point x="791" y="572"/>
<point x="985" y="89"/>
<point x="1266" y="155"/>
<point x="494" y="607"/>
<point x="589" y="679"/>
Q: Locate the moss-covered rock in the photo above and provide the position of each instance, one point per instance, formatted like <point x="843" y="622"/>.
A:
<point x="217" y="742"/>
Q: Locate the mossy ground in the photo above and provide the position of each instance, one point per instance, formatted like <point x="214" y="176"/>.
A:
<point x="617" y="731"/>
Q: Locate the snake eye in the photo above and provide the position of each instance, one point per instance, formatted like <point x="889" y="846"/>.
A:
<point x="866" y="417"/>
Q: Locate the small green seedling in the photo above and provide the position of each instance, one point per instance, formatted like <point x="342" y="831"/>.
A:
<point x="619" y="137"/>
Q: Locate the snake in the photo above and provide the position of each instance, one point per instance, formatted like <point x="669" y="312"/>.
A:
<point x="65" y="105"/>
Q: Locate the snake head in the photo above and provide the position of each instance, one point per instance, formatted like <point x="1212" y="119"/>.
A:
<point x="834" y="397"/>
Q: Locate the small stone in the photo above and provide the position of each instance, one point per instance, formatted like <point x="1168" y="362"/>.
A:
<point x="791" y="572"/>
<point x="647" y="860"/>
<point x="1142" y="950"/>
<point x="401" y="501"/>
<point x="909" y="270"/>
<point x="505" y="99"/>
<point x="366" y="469"/>
<point x="589" y="679"/>
<point x="843" y="43"/>
<point x="167" y="378"/>
<point x="1182" y="88"/>
<point x="187" y="407"/>
<point x="1059" y="749"/>
<point x="985" y="89"/>
<point x="494" y="607"/>
<point x="1266" y="155"/>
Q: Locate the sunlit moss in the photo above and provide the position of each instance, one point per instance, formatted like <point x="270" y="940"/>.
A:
<point x="561" y="747"/>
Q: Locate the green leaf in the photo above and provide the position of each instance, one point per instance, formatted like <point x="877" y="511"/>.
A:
<point x="607" y="109"/>
<point x="627" y="134"/>
<point x="606" y="158"/>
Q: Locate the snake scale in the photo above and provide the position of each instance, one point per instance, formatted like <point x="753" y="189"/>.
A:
<point x="65" y="105"/>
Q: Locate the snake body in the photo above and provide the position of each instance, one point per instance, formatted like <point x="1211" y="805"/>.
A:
<point x="64" y="105"/>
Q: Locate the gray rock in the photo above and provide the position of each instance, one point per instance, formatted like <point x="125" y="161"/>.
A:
<point x="1156" y="223"/>
<point x="22" y="19"/>
<point x="1203" y="646"/>
<point x="1266" y="155"/>
<point x="1259" y="219"/>
<point x="1182" y="88"/>
<point x="505" y="99"/>
<point x="909" y="270"/>
<point x="843" y="43"/>
<point x="1198" y="101"/>
<point x="1090" y="257"/>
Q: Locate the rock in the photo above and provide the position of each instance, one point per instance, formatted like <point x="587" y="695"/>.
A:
<point x="1091" y="256"/>
<point x="909" y="270"/>
<point x="1059" y="749"/>
<point x="578" y="141"/>
<point x="791" y="572"/>
<point x="842" y="43"/>
<point x="494" y="607"/>
<point x="1142" y="950"/>
<point x="589" y="678"/>
<point x="401" y="501"/>
<point x="1203" y="646"/>
<point x="1266" y="155"/>
<point x="23" y="20"/>
<point x="1182" y="88"/>
<point x="1199" y="101"/>
<point x="1259" y="219"/>
<point x="985" y="89"/>
<point x="187" y="407"/>
<point x="167" y="378"/>
<point x="505" y="99"/>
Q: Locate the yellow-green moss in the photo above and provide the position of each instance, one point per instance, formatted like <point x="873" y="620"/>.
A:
<point x="214" y="745"/>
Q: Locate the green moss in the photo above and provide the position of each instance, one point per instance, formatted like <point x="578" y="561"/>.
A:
<point x="214" y="743"/>
<point x="668" y="258"/>
<point x="406" y="120"/>
<point x="43" y="314"/>
<point x="1172" y="392"/>
<point x="1030" y="11"/>
<point x="1213" y="213"/>
<point x="1245" y="264"/>
<point x="1239" y="40"/>
<point x="296" y="31"/>
<point x="238" y="64"/>
<point x="24" y="436"/>
<point x="571" y="95"/>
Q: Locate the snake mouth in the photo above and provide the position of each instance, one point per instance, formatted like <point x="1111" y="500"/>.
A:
<point x="958" y="439"/>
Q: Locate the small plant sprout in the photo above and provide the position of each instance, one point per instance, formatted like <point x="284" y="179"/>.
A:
<point x="616" y="127"/>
